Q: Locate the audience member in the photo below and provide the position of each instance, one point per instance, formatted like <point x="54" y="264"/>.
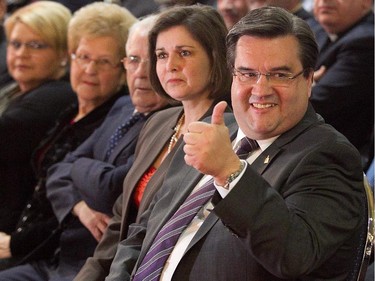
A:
<point x="29" y="106"/>
<point x="232" y="11"/>
<point x="293" y="6"/>
<point x="98" y="85"/>
<point x="294" y="212"/>
<point x="344" y="82"/>
<point x="180" y="49"/>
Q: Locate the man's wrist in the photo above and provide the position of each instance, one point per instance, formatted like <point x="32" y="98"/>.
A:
<point x="234" y="175"/>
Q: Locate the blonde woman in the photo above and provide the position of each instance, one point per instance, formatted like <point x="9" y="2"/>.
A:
<point x="37" y="57"/>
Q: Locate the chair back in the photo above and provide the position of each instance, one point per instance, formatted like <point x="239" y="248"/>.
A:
<point x="366" y="244"/>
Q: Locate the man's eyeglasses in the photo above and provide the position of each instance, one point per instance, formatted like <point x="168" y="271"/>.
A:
<point x="274" y="78"/>
<point x="101" y="64"/>
<point x="131" y="63"/>
<point x="31" y="45"/>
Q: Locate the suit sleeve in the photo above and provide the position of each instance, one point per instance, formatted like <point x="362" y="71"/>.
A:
<point x="349" y="73"/>
<point x="97" y="179"/>
<point x="294" y="230"/>
<point x="60" y="186"/>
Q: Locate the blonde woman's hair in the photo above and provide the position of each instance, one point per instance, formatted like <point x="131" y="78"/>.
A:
<point x="100" y="19"/>
<point x="47" y="19"/>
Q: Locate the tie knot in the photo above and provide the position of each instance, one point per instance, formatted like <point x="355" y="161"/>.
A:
<point x="246" y="146"/>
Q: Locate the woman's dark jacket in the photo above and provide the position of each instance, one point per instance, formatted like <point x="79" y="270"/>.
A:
<point x="37" y="226"/>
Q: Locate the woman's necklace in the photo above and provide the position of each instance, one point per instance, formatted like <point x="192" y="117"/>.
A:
<point x="175" y="136"/>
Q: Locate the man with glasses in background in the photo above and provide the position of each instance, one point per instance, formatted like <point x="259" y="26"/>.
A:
<point x="291" y="209"/>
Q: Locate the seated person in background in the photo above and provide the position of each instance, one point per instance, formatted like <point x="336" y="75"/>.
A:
<point x="93" y="37"/>
<point x="293" y="6"/>
<point x="179" y="45"/>
<point x="232" y="11"/>
<point x="37" y="61"/>
<point x="292" y="209"/>
<point x="343" y="92"/>
<point x="84" y="185"/>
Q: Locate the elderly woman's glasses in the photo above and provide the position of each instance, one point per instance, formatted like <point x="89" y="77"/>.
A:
<point x="31" y="45"/>
<point x="101" y="64"/>
<point x="131" y="63"/>
<point x="278" y="78"/>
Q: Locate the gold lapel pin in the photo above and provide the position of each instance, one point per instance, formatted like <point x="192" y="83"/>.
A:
<point x="267" y="160"/>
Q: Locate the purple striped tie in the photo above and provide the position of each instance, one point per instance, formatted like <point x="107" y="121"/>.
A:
<point x="153" y="263"/>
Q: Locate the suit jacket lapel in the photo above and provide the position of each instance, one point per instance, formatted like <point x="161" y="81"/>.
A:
<point x="266" y="157"/>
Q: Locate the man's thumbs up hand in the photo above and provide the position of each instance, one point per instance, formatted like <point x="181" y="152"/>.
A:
<point x="208" y="147"/>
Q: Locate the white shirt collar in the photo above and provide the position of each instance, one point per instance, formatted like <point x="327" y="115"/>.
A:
<point x="263" y="144"/>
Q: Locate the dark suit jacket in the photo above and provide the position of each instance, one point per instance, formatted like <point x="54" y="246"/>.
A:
<point x="22" y="126"/>
<point x="345" y="94"/>
<point x="85" y="174"/>
<point x="295" y="214"/>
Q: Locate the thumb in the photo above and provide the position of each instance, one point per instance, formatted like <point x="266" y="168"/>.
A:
<point x="218" y="112"/>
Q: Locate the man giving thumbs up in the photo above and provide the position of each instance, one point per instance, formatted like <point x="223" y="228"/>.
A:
<point x="292" y="209"/>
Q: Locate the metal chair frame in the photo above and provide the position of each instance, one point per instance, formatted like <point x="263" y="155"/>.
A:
<point x="369" y="243"/>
